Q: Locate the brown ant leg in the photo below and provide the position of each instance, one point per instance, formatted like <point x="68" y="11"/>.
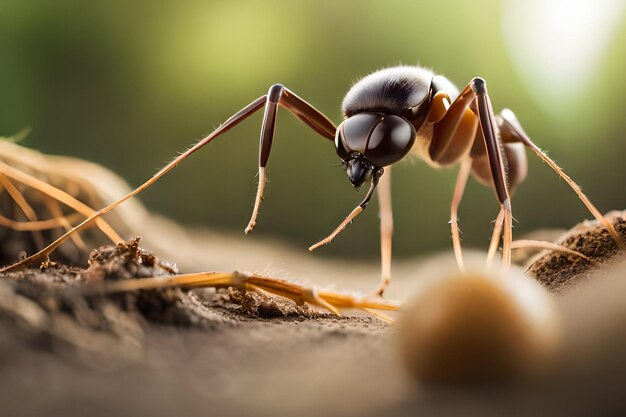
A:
<point x="456" y="132"/>
<point x="234" y="120"/>
<point x="452" y="141"/>
<point x="352" y="214"/>
<point x="278" y="95"/>
<point x="459" y="188"/>
<point x="495" y="236"/>
<point x="492" y="142"/>
<point x="316" y="120"/>
<point x="512" y="131"/>
<point x="386" y="231"/>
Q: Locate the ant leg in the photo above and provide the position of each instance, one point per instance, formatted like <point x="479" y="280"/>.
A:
<point x="512" y="131"/>
<point x="316" y="120"/>
<point x="234" y="120"/>
<point x="279" y="95"/>
<point x="352" y="214"/>
<point x="459" y="188"/>
<point x="456" y="132"/>
<point x="495" y="236"/>
<point x="453" y="140"/>
<point x="386" y="231"/>
<point x="494" y="145"/>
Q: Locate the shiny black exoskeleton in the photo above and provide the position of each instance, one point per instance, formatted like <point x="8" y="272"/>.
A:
<point x="383" y="113"/>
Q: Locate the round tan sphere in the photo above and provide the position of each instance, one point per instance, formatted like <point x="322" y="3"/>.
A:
<point x="478" y="327"/>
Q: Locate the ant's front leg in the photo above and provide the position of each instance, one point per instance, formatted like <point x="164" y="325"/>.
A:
<point x="316" y="120"/>
<point x="386" y="230"/>
<point x="277" y="95"/>
<point x="357" y="210"/>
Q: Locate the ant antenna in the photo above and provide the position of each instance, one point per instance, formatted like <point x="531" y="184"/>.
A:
<point x="358" y="209"/>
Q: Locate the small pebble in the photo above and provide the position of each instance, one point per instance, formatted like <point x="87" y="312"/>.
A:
<point x="479" y="327"/>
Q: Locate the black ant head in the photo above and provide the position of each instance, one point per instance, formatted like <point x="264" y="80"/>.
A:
<point x="359" y="170"/>
<point x="381" y="139"/>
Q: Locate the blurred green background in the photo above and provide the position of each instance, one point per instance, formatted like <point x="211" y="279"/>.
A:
<point x="129" y="84"/>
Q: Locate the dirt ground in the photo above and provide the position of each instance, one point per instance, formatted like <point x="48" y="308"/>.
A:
<point x="222" y="353"/>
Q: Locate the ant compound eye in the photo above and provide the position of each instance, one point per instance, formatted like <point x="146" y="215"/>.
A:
<point x="390" y="141"/>
<point x="340" y="146"/>
<point x="353" y="134"/>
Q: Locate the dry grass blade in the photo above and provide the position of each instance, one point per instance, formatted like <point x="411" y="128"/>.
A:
<point x="60" y="196"/>
<point x="95" y="216"/>
<point x="278" y="287"/>
<point x="50" y="196"/>
<point x="57" y="213"/>
<point x="21" y="202"/>
<point x="526" y="243"/>
<point x="18" y="198"/>
<point x="38" y="225"/>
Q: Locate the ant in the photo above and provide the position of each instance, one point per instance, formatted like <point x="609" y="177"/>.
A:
<point x="388" y="114"/>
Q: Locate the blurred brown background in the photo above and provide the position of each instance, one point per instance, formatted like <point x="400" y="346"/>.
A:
<point x="129" y="84"/>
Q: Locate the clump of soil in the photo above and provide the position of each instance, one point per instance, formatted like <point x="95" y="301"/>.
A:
<point x="49" y="305"/>
<point x="260" y="305"/>
<point x="560" y="271"/>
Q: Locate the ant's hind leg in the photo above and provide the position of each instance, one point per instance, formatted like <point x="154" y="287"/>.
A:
<point x="316" y="120"/>
<point x="512" y="131"/>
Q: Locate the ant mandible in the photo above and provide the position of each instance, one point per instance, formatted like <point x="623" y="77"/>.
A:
<point x="388" y="114"/>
